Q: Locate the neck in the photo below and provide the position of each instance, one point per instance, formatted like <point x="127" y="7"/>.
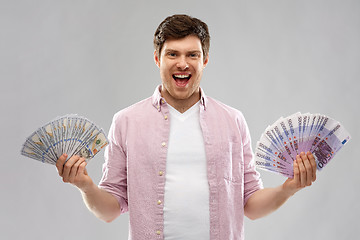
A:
<point x="181" y="105"/>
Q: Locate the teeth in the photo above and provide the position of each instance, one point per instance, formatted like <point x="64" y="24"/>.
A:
<point x="181" y="76"/>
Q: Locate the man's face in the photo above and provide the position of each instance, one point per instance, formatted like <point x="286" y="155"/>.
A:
<point x="181" y="64"/>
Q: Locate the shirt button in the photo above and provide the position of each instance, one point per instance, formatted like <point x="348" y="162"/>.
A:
<point x="159" y="202"/>
<point x="163" y="144"/>
<point x="158" y="232"/>
<point x="166" y="117"/>
<point x="161" y="173"/>
<point x="162" y="101"/>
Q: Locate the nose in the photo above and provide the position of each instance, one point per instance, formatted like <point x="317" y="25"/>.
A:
<point x="182" y="63"/>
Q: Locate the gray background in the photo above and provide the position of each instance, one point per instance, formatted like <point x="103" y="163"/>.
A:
<point x="267" y="59"/>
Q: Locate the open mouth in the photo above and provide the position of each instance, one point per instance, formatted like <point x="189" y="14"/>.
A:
<point x="181" y="80"/>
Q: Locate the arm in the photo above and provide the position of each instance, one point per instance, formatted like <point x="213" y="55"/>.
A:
<point x="267" y="200"/>
<point x="104" y="205"/>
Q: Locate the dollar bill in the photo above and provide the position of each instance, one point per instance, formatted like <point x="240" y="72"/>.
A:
<point x="70" y="134"/>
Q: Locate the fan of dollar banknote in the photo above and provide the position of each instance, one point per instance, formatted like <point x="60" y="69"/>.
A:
<point x="70" y="134"/>
<point x="288" y="137"/>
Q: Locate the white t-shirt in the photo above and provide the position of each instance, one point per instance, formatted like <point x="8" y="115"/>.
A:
<point x="186" y="201"/>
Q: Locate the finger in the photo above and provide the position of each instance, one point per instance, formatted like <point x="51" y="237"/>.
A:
<point x="67" y="167"/>
<point x="302" y="170"/>
<point x="74" y="169"/>
<point x="296" y="172"/>
<point x="60" y="163"/>
<point x="308" y="169"/>
<point x="313" y="165"/>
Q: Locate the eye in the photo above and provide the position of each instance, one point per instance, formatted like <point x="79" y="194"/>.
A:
<point x="171" y="54"/>
<point x="194" y="55"/>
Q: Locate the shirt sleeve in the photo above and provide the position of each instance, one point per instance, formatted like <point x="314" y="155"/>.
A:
<point x="252" y="180"/>
<point x="114" y="178"/>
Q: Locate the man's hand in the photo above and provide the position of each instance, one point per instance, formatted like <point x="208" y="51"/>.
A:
<point x="74" y="171"/>
<point x="104" y="205"/>
<point x="267" y="200"/>
<point x="304" y="173"/>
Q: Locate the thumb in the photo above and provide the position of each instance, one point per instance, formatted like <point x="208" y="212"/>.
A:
<point x="82" y="168"/>
<point x="296" y="171"/>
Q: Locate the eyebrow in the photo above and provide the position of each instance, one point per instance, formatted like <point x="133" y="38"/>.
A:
<point x="176" y="51"/>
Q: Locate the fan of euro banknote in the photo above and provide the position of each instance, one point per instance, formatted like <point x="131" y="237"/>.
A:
<point x="287" y="137"/>
<point x="70" y="134"/>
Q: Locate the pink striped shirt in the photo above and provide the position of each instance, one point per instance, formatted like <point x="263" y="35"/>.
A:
<point x="135" y="166"/>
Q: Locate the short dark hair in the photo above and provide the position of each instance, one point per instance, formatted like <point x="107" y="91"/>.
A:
<point x="179" y="26"/>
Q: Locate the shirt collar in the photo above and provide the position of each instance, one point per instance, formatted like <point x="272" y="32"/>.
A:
<point x="158" y="100"/>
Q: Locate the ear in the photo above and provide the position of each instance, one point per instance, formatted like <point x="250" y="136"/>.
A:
<point x="206" y="60"/>
<point x="156" y="58"/>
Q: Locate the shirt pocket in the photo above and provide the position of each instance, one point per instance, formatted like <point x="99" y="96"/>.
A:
<point x="231" y="167"/>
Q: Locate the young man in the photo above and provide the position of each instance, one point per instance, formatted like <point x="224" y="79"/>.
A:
<point x="181" y="162"/>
